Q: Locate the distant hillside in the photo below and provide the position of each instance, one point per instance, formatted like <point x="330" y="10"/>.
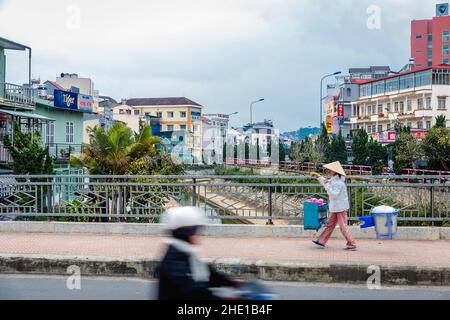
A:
<point x="301" y="133"/>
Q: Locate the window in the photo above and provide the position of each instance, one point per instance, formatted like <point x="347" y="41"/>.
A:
<point x="446" y="36"/>
<point x="419" y="125"/>
<point x="170" y="114"/>
<point x="445" y="50"/>
<point x="418" y="36"/>
<point x="374" y="128"/>
<point x="420" y="104"/>
<point x="50" y="133"/>
<point x="409" y="105"/>
<point x="69" y="132"/>
<point x="380" y="128"/>
<point x="428" y="102"/>
<point x="136" y="112"/>
<point x="380" y="108"/>
<point x="409" y="124"/>
<point x="430" y="38"/>
<point x="428" y="124"/>
<point x="183" y="114"/>
<point x="441" y="77"/>
<point x="442" y="103"/>
<point x="148" y="114"/>
<point x="170" y="127"/>
<point x="159" y="114"/>
<point x="388" y="108"/>
<point x="379" y="87"/>
<point x="396" y="107"/>
<point x="423" y="78"/>
<point x="369" y="110"/>
<point x="369" y="129"/>
<point x="366" y="90"/>
<point x="392" y="84"/>
<point x="128" y="111"/>
<point x="445" y="61"/>
<point x="402" y="107"/>
<point x="349" y="92"/>
<point x="182" y="127"/>
<point x="407" y="81"/>
<point x="430" y="53"/>
<point x="122" y="111"/>
<point x="388" y="127"/>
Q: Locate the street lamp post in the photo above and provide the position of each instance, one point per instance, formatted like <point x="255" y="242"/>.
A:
<point x="251" y="109"/>
<point x="321" y="98"/>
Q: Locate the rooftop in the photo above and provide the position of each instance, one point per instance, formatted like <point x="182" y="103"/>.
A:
<point x="11" y="45"/>
<point x="172" y="101"/>
<point x="442" y="67"/>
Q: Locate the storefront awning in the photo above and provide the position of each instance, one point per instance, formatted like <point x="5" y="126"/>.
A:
<point x="26" y="115"/>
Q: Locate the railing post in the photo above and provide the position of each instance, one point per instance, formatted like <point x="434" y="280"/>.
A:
<point x="194" y="193"/>
<point x="432" y="204"/>
<point x="270" y="222"/>
<point x="49" y="197"/>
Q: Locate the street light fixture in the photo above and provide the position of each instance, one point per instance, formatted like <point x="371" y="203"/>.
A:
<point x="321" y="98"/>
<point x="251" y="109"/>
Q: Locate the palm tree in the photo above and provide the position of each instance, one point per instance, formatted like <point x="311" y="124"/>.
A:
<point x="112" y="152"/>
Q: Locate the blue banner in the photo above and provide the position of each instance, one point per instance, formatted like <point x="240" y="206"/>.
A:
<point x="66" y="100"/>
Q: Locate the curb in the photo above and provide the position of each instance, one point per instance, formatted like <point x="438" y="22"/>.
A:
<point x="335" y="272"/>
<point x="251" y="231"/>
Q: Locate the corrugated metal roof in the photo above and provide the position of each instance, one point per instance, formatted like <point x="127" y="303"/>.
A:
<point x="11" y="45"/>
<point x="26" y="115"/>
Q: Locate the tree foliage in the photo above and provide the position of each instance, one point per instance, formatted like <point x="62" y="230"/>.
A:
<point x="436" y="146"/>
<point x="120" y="151"/>
<point x="338" y="150"/>
<point x="359" y="147"/>
<point x="29" y="154"/>
<point x="407" y="150"/>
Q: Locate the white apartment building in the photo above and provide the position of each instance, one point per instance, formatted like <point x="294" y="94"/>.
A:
<point x="414" y="98"/>
<point x="215" y="127"/>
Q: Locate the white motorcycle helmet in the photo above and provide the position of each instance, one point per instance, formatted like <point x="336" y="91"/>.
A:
<point x="183" y="217"/>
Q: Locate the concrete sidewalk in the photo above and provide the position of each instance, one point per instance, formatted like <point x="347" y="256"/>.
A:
<point x="278" y="259"/>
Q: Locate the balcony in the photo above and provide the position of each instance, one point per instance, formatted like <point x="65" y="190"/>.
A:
<point x="15" y="96"/>
<point x="59" y="152"/>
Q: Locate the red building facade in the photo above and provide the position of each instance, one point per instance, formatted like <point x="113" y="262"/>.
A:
<point x="430" y="41"/>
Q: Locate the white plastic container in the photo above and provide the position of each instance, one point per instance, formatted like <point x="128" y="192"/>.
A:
<point x="385" y="219"/>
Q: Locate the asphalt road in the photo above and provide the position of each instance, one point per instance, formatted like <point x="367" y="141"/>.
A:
<point x="25" y="287"/>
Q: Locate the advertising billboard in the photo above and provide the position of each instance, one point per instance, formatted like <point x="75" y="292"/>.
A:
<point x="329" y="123"/>
<point x="66" y="100"/>
<point x="340" y="110"/>
<point x="85" y="103"/>
<point x="391" y="136"/>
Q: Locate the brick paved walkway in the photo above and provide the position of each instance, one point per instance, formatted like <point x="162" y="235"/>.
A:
<point x="428" y="253"/>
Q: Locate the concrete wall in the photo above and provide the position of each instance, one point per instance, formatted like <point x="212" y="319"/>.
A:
<point x="225" y="231"/>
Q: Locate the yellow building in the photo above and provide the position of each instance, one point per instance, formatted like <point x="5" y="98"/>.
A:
<point x="176" y="114"/>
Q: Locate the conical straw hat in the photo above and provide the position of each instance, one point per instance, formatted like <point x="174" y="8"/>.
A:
<point x="335" y="167"/>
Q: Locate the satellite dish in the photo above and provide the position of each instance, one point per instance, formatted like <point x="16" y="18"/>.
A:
<point x="62" y="75"/>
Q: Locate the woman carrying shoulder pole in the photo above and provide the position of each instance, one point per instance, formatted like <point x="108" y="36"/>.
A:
<point x="338" y="204"/>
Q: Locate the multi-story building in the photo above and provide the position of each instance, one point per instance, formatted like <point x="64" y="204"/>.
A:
<point x="430" y="39"/>
<point x="56" y="114"/>
<point x="214" y="127"/>
<point x="413" y="98"/>
<point x="176" y="114"/>
<point x="338" y="104"/>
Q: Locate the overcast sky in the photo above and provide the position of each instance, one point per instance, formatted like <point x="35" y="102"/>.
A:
<point x="222" y="54"/>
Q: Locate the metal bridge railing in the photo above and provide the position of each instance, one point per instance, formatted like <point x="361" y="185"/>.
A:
<point x="258" y="199"/>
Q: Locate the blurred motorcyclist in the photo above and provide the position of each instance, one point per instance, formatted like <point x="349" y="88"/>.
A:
<point x="182" y="274"/>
